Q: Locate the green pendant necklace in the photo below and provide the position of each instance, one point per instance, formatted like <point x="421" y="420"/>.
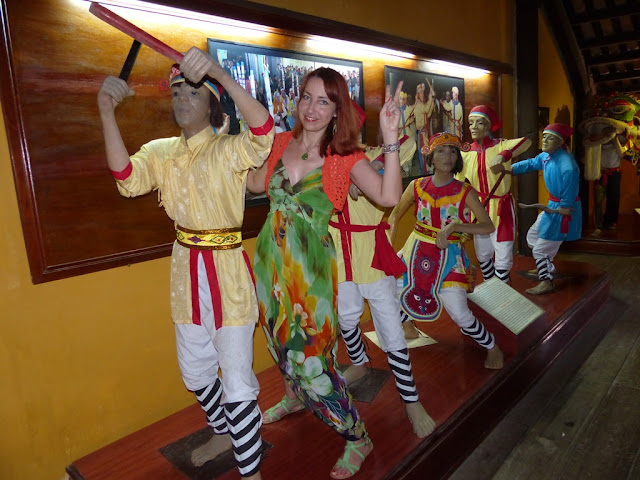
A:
<point x="305" y="155"/>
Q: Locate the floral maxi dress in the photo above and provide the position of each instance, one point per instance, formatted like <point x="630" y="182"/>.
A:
<point x="296" y="282"/>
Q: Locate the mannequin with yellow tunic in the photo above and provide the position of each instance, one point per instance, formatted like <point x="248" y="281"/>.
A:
<point x="359" y="236"/>
<point x="494" y="251"/>
<point x="201" y="178"/>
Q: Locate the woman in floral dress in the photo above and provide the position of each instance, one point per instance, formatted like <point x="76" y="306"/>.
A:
<point x="307" y="177"/>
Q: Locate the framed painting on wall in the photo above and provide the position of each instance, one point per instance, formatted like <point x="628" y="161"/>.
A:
<point x="431" y="103"/>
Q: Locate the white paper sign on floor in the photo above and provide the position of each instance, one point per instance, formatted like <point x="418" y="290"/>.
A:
<point x="505" y="304"/>
<point x="421" y="341"/>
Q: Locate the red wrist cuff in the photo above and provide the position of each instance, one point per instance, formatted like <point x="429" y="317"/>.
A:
<point x="124" y="174"/>
<point x="506" y="154"/>
<point x="264" y="129"/>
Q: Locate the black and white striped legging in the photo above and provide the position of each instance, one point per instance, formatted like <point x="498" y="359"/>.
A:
<point x="399" y="363"/>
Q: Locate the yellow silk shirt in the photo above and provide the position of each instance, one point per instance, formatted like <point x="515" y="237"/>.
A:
<point x="202" y="183"/>
<point x="364" y="212"/>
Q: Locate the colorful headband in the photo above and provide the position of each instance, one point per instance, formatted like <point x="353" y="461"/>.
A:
<point x="444" y="138"/>
<point x="177" y="77"/>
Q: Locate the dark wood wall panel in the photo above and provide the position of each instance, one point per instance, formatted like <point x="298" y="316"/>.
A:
<point x="56" y="55"/>
<point x="481" y="91"/>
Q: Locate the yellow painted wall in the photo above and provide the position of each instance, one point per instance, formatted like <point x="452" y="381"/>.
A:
<point x="480" y="28"/>
<point x="554" y="91"/>
<point x="87" y="360"/>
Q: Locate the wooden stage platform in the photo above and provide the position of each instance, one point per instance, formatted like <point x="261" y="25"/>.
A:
<point x="464" y="398"/>
<point x="623" y="240"/>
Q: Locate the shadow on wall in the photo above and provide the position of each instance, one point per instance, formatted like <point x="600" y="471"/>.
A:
<point x="563" y="115"/>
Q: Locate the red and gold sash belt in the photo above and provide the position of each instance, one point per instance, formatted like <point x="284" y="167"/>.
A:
<point x="428" y="233"/>
<point x="216" y="239"/>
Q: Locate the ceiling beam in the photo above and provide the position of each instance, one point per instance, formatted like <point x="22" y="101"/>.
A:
<point x="633" y="87"/>
<point x="631" y="8"/>
<point x="609" y="40"/>
<point x="612" y="77"/>
<point x="597" y="60"/>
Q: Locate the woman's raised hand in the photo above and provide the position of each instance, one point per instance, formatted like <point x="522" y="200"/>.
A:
<point x="390" y="114"/>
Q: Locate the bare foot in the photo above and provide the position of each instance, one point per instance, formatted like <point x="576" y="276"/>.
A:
<point x="410" y="330"/>
<point x="281" y="409"/>
<point x="495" y="358"/>
<point x="215" y="446"/>
<point x="422" y="423"/>
<point x="355" y="453"/>
<point x="354" y="372"/>
<point x="545" y="286"/>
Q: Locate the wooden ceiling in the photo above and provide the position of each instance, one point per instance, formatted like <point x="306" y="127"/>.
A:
<point x="599" y="41"/>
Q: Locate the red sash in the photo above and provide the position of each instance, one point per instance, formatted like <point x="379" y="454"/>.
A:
<point x="214" y="286"/>
<point x="606" y="173"/>
<point x="564" y="224"/>
<point x="384" y="256"/>
<point x="506" y="221"/>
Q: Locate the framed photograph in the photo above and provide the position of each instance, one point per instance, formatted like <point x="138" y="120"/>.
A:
<point x="430" y="103"/>
<point x="273" y="77"/>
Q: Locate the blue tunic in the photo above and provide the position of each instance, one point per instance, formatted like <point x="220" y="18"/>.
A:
<point x="562" y="178"/>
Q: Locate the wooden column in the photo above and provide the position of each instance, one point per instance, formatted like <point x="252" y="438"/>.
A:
<point x="526" y="76"/>
<point x="571" y="56"/>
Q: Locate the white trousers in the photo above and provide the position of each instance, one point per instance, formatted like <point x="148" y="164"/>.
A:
<point x="203" y="350"/>
<point x="384" y="306"/>
<point x="454" y="301"/>
<point x="488" y="245"/>
<point x="541" y="248"/>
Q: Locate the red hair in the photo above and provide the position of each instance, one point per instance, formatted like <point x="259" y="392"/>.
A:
<point x="345" y="140"/>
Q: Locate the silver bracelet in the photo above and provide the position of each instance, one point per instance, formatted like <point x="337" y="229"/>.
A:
<point x="390" y="147"/>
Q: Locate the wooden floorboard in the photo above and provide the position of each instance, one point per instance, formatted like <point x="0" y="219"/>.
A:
<point x="464" y="398"/>
<point x="570" y="410"/>
<point x="634" y="473"/>
<point x="542" y="408"/>
<point x="560" y="439"/>
<point x="630" y="373"/>
<point x="610" y="442"/>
